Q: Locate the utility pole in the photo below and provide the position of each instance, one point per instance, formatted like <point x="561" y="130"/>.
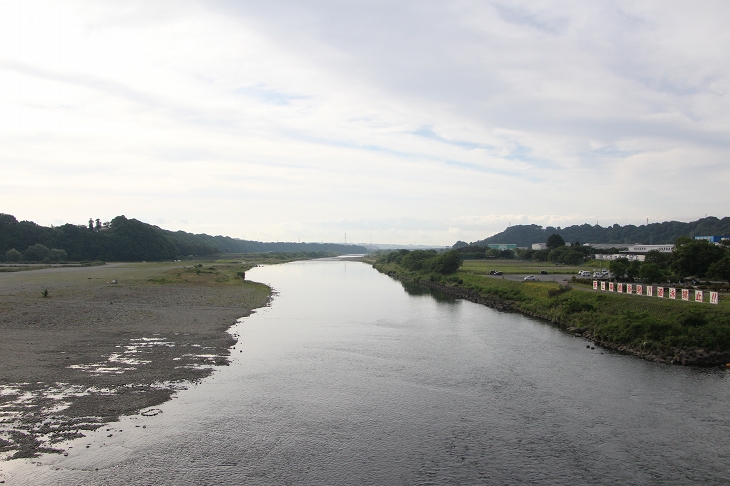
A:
<point x="345" y="238"/>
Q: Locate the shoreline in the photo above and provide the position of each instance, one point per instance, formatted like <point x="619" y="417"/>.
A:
<point x="689" y="357"/>
<point x="93" y="350"/>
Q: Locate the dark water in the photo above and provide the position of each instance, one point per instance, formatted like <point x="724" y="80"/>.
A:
<point x="352" y="378"/>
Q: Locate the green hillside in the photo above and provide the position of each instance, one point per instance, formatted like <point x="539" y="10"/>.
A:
<point x="654" y="233"/>
<point x="126" y="239"/>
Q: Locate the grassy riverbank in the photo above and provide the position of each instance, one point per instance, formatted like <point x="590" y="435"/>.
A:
<point x="657" y="329"/>
<point x="83" y="345"/>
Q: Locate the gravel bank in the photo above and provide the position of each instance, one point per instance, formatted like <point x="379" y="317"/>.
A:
<point x="94" y="350"/>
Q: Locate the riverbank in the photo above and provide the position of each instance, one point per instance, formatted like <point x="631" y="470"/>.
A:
<point x="665" y="331"/>
<point x="108" y="341"/>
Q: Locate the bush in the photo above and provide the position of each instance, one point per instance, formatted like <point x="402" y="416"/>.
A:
<point x="13" y="255"/>
<point x="56" y="255"/>
<point x="446" y="263"/>
<point x="573" y="306"/>
<point x="560" y="290"/>
<point x="36" y="253"/>
<point x="693" y="318"/>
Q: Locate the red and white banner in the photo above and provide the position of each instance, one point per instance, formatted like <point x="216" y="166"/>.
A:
<point x="660" y="292"/>
<point x="629" y="288"/>
<point x="620" y="288"/>
<point x="672" y="293"/>
<point x="699" y="296"/>
<point x="595" y="285"/>
<point x="603" y="285"/>
<point x="685" y="294"/>
<point x="714" y="298"/>
<point x="649" y="291"/>
<point x="639" y="290"/>
<point x="610" y="286"/>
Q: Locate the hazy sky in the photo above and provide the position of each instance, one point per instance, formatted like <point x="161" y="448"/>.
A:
<point x="413" y="122"/>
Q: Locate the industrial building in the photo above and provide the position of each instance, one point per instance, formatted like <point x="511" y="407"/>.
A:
<point x="713" y="239"/>
<point x="502" y="246"/>
<point x="636" y="252"/>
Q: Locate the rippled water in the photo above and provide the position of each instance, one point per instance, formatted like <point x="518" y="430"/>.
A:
<point x="352" y="378"/>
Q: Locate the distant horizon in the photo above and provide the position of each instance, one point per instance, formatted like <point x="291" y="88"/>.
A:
<point x="375" y="243"/>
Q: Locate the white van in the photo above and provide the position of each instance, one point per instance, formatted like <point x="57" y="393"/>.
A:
<point x="584" y="273"/>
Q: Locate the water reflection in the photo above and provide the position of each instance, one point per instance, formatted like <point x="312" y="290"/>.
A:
<point x="419" y="290"/>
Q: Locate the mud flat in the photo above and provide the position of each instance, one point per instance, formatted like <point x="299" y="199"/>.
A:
<point x="92" y="350"/>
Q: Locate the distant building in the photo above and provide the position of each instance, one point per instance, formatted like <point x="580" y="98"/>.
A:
<point x="615" y="256"/>
<point x="712" y="239"/>
<point x="502" y="246"/>
<point x="636" y="252"/>
<point x="539" y="246"/>
<point x="644" y="249"/>
<point x="605" y="246"/>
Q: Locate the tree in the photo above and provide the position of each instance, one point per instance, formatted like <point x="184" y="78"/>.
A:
<point x="694" y="257"/>
<point x="619" y="266"/>
<point x="720" y="269"/>
<point x="632" y="271"/>
<point x="13" y="255"/>
<point x="98" y="224"/>
<point x="91" y="224"/>
<point x="555" y="241"/>
<point x="417" y="259"/>
<point x="506" y="254"/>
<point x="655" y="256"/>
<point x="36" y="253"/>
<point x="650" y="273"/>
<point x="57" y="255"/>
<point x="448" y="262"/>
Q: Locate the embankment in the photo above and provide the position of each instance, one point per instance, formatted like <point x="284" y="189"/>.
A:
<point x="668" y="332"/>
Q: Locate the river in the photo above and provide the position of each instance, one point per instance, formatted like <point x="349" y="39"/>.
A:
<point x="350" y="377"/>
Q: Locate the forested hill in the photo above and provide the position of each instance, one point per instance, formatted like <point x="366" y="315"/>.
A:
<point x="654" y="233"/>
<point x="132" y="240"/>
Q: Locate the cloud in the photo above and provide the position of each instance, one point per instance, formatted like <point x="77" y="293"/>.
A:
<point x="420" y="121"/>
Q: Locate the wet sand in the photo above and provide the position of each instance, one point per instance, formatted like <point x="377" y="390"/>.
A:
<point x="93" y="350"/>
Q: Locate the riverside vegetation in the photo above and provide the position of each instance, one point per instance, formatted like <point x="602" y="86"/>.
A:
<point x="127" y="239"/>
<point x="656" y="329"/>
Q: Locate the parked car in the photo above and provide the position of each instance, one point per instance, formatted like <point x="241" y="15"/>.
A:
<point x="543" y="272"/>
<point x="530" y="277"/>
<point x="491" y="272"/>
<point x="498" y="272"/>
<point x="597" y="275"/>
<point x="584" y="273"/>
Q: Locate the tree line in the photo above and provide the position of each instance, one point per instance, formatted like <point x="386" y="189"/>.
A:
<point x="424" y="260"/>
<point x="690" y="259"/>
<point x="651" y="234"/>
<point x="128" y="239"/>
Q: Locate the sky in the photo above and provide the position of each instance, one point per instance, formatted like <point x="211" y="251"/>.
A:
<point x="410" y="122"/>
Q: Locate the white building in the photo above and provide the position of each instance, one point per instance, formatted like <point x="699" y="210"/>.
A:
<point x="636" y="252"/>
<point x="539" y="246"/>
<point x="667" y="248"/>
<point x="616" y="256"/>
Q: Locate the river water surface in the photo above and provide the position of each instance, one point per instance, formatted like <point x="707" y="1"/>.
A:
<point x="350" y="377"/>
